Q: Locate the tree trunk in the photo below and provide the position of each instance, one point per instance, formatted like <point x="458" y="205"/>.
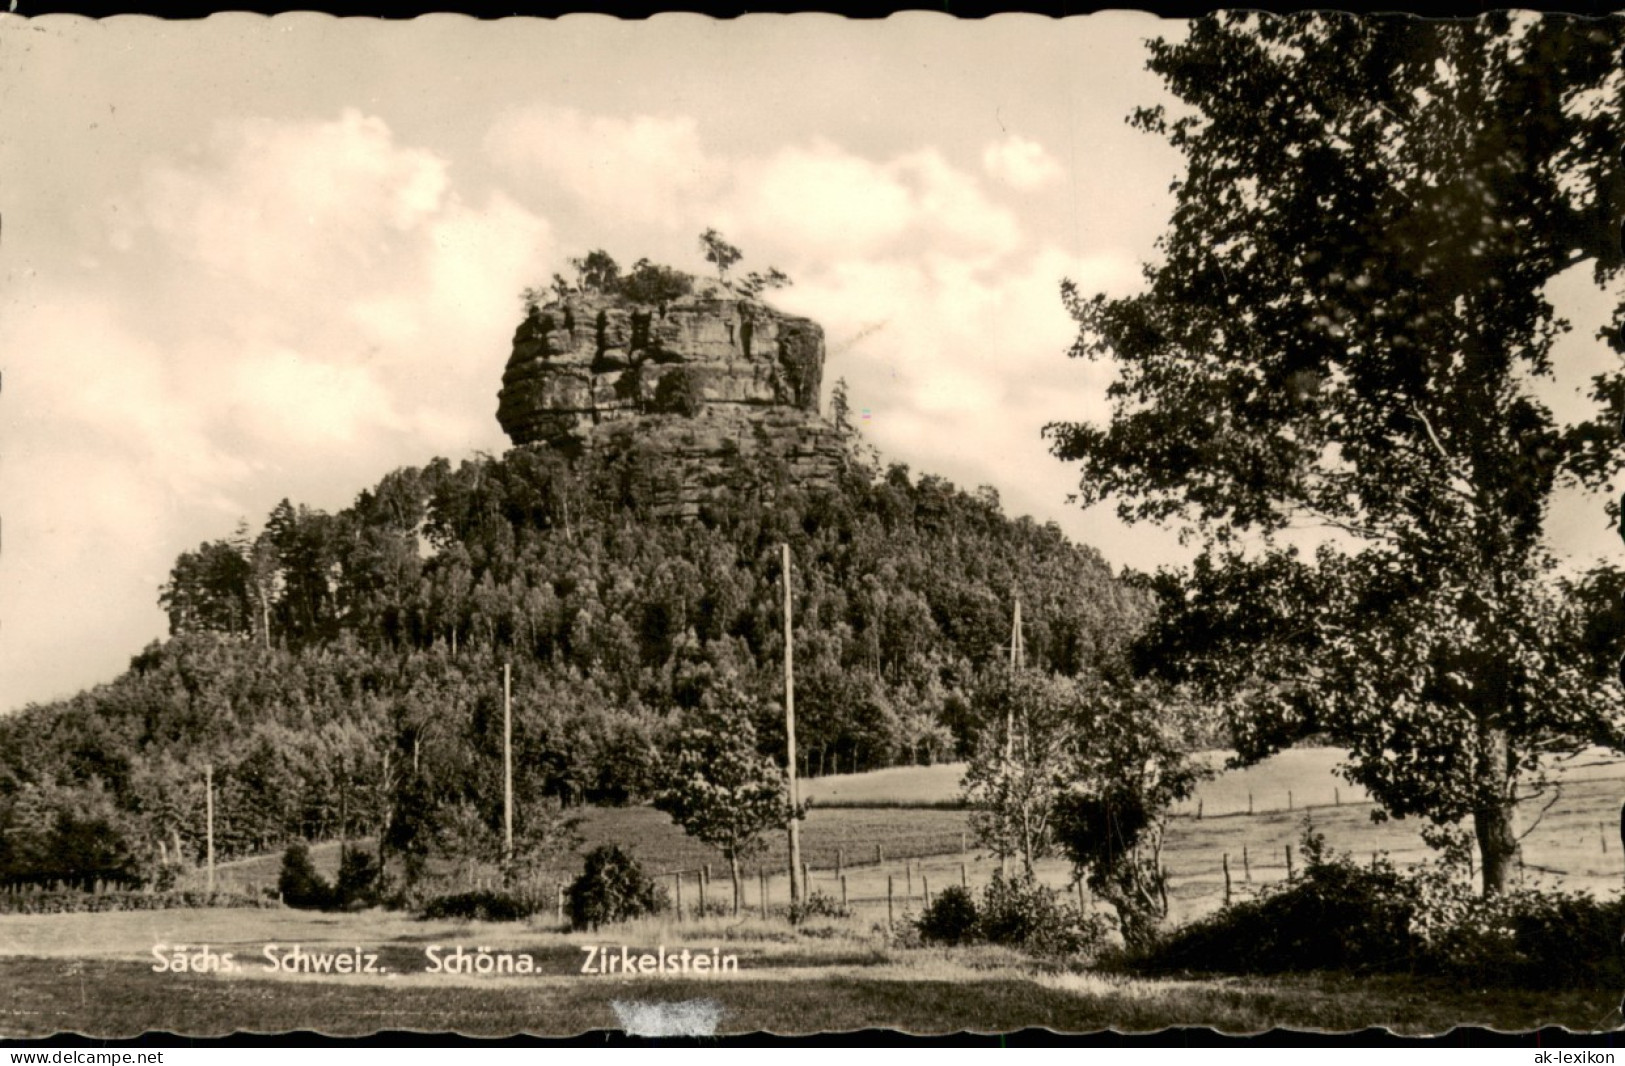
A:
<point x="1497" y="846"/>
<point x="733" y="871"/>
<point x="1492" y="818"/>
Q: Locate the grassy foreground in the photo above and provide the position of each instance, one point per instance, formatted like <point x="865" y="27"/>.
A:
<point x="92" y="974"/>
<point x="111" y="1000"/>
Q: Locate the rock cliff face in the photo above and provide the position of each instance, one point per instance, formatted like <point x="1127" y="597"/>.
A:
<point x="700" y="382"/>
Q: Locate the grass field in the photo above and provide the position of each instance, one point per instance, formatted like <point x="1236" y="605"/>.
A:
<point x="1575" y="845"/>
<point x="92" y="974"/>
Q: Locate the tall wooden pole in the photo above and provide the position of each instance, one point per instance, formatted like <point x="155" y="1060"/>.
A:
<point x="208" y="817"/>
<point x="507" y="763"/>
<point x="1010" y="725"/>
<point x="790" y="734"/>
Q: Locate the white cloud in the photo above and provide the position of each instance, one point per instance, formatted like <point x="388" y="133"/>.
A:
<point x="272" y="202"/>
<point x="649" y="167"/>
<point x="1020" y="163"/>
<point x="294" y="310"/>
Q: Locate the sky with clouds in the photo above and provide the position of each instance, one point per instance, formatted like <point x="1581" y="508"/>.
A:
<point x="249" y="259"/>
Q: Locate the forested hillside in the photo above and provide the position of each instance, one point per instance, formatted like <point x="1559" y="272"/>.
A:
<point x="341" y="674"/>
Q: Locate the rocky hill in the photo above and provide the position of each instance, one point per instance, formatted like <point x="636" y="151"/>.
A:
<point x="698" y="381"/>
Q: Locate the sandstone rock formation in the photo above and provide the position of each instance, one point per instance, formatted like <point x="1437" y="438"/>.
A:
<point x="703" y="381"/>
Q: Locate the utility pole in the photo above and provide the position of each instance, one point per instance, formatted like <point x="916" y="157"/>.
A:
<point x="790" y="735"/>
<point x="1010" y="720"/>
<point x="208" y="817"/>
<point x="507" y="763"/>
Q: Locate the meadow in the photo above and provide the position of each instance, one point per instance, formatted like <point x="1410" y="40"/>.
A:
<point x="909" y="814"/>
<point x="92" y="972"/>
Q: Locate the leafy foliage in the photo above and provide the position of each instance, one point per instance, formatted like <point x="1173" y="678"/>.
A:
<point x="817" y="904"/>
<point x="1022" y="760"/>
<point x="359" y="878"/>
<point x="719" y="787"/>
<point x="612" y="887"/>
<point x="1344" y="333"/>
<point x="719" y="252"/>
<point x="1342" y="915"/>
<point x="650" y="283"/>
<point x="1131" y="765"/>
<point x="299" y="882"/>
<point x="479" y="906"/>
<point x="950" y="919"/>
<point x="1021" y="912"/>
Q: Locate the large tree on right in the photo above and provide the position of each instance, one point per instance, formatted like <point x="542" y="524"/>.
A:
<point x="1343" y="335"/>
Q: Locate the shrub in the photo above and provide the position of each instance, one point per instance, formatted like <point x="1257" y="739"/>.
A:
<point x="951" y="918"/>
<point x="1529" y="939"/>
<point x="1019" y="912"/>
<point x="817" y="905"/>
<point x="677" y="393"/>
<point x="300" y="884"/>
<point x="69" y="901"/>
<point x="358" y="881"/>
<point x="613" y="887"/>
<point x="650" y="283"/>
<point x="478" y="907"/>
<point x="1336" y="916"/>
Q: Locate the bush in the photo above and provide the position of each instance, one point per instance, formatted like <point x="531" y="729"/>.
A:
<point x="478" y="907"/>
<point x="1019" y="912"/>
<point x="650" y="283"/>
<point x="301" y="886"/>
<point x="1529" y="939"/>
<point x="613" y="887"/>
<point x="817" y="905"/>
<point x="70" y="901"/>
<point x="1336" y="916"/>
<point x="677" y="393"/>
<point x="358" y="882"/>
<point x="951" y="918"/>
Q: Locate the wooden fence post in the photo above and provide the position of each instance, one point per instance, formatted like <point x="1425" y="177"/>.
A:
<point x="1227" y="879"/>
<point x="1246" y="866"/>
<point x="1249" y="803"/>
<point x="837" y="862"/>
<point x="908" y="872"/>
<point x="806" y="882"/>
<point x="880" y="856"/>
<point x="1289" y="862"/>
<point x="964" y="882"/>
<point x="1198" y="810"/>
<point x="559" y="892"/>
<point x="1337" y="797"/>
<point x="843" y="890"/>
<point x="1289" y="799"/>
<point x="702" y="879"/>
<point x="888" y="902"/>
<point x="761" y="883"/>
<point x="1083" y="908"/>
<point x="925" y="890"/>
<point x="677" y="879"/>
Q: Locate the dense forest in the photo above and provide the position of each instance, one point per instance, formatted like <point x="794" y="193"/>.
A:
<point x="341" y="674"/>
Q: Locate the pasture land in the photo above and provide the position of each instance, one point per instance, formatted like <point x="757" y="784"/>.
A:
<point x="1574" y="845"/>
<point x="93" y="974"/>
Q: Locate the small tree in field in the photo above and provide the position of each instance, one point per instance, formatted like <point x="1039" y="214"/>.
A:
<point x="1020" y="764"/>
<point x="719" y="788"/>
<point x="1128" y="767"/>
